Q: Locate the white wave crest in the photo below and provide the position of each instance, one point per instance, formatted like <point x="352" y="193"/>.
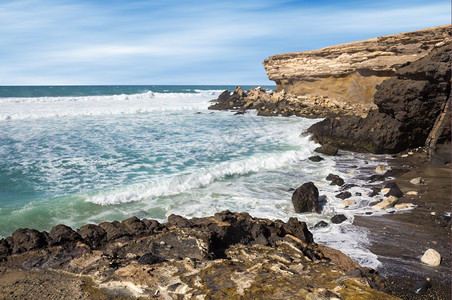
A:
<point x="50" y="107"/>
<point x="200" y="178"/>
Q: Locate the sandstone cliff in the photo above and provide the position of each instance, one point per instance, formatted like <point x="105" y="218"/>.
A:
<point x="352" y="71"/>
<point x="409" y="105"/>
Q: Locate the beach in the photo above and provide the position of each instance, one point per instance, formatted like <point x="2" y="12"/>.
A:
<point x="401" y="238"/>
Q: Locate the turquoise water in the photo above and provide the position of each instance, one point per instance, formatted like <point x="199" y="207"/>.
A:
<point x="77" y="155"/>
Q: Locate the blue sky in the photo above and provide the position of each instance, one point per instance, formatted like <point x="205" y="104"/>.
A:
<point x="52" y="42"/>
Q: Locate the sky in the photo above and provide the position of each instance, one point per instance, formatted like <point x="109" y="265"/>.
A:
<point x="87" y="42"/>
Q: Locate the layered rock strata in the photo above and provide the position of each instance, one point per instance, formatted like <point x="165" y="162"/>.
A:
<point x="382" y="95"/>
<point x="351" y="71"/>
<point x="227" y="255"/>
<point x="409" y="106"/>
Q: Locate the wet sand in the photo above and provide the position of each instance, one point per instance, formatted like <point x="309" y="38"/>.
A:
<point x="401" y="238"/>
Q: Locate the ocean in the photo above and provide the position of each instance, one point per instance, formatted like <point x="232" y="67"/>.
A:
<point x="88" y="154"/>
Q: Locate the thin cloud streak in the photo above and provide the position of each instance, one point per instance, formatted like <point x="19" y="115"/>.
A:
<point x="141" y="43"/>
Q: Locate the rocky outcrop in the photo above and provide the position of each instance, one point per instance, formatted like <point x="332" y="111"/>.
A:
<point x="352" y="71"/>
<point x="408" y="107"/>
<point x="227" y="255"/>
<point x="382" y="95"/>
<point x="305" y="199"/>
<point x="268" y="103"/>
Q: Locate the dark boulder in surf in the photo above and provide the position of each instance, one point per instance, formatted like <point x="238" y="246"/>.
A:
<point x="305" y="199"/>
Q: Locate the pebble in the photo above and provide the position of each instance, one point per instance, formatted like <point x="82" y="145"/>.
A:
<point x="385" y="191"/>
<point x="412" y="193"/>
<point x="404" y="205"/>
<point x="431" y="257"/>
<point x="386" y="203"/>
<point x="348" y="203"/>
<point x="433" y="213"/>
<point x="417" y="181"/>
<point x="381" y="169"/>
<point x="404" y="155"/>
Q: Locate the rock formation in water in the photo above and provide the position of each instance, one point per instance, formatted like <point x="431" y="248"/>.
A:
<point x="381" y="95"/>
<point x="409" y="104"/>
<point x="227" y="255"/>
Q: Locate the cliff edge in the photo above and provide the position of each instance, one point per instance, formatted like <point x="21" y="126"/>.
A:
<point x="352" y="71"/>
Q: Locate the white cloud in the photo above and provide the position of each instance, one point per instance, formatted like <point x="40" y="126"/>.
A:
<point x="48" y="42"/>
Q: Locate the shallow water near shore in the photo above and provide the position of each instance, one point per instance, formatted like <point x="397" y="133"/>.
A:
<point x="77" y="157"/>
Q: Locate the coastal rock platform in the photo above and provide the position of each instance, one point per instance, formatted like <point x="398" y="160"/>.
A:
<point x="229" y="255"/>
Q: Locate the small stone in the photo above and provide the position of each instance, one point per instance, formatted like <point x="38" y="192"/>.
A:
<point x="404" y="155"/>
<point x="344" y="195"/>
<point x="315" y="158"/>
<point x="385" y="190"/>
<point x="412" y="193"/>
<point x="373" y="158"/>
<point x="431" y="257"/>
<point x="335" y="179"/>
<point x="337" y="219"/>
<point x="404" y="205"/>
<point x="394" y="190"/>
<point x="410" y="153"/>
<point x="417" y="181"/>
<point x="381" y="169"/>
<point x="386" y="203"/>
<point x="433" y="213"/>
<point x="348" y="203"/>
<point x="421" y="287"/>
<point x="321" y="224"/>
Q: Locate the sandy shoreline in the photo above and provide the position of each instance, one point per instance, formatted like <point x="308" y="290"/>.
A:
<point x="400" y="239"/>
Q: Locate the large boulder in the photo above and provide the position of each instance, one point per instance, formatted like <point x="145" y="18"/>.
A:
<point x="305" y="199"/>
<point x="25" y="239"/>
<point x="61" y="234"/>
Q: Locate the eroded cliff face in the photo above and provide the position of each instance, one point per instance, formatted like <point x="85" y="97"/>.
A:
<point x="351" y="72"/>
<point x="409" y="105"/>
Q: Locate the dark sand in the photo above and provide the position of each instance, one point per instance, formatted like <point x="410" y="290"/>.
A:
<point x="401" y="238"/>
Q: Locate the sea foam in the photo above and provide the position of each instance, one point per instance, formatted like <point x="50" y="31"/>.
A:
<point x="51" y="107"/>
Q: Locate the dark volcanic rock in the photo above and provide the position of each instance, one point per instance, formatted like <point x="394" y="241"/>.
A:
<point x="299" y="230"/>
<point x="327" y="149"/>
<point x="343" y="195"/>
<point x="335" y="180"/>
<point x="92" y="234"/>
<point x="315" y="158"/>
<point x="321" y="224"/>
<point x="376" y="177"/>
<point x="179" y="259"/>
<point x="375" y="191"/>
<point x="61" y="234"/>
<point x="113" y="230"/>
<point x="337" y="219"/>
<point x="150" y="259"/>
<point x="394" y="190"/>
<point x="305" y="199"/>
<point x="25" y="239"/>
<point x="408" y="106"/>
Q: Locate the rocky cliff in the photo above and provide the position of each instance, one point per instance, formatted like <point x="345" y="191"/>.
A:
<point x="228" y="255"/>
<point x="352" y="71"/>
<point x="409" y="105"/>
<point x="382" y="95"/>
